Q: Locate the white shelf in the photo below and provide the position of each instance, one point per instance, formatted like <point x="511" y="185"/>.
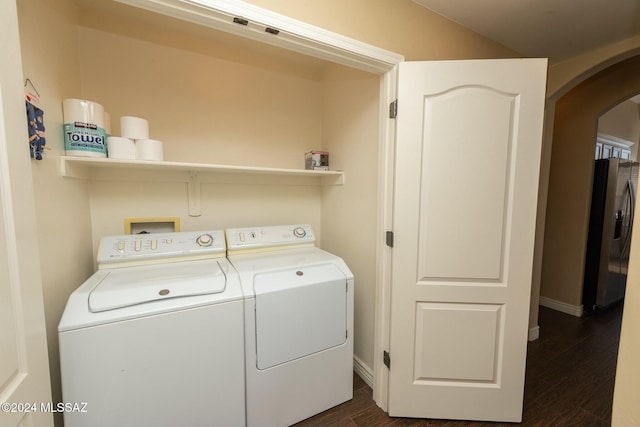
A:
<point x="82" y="168"/>
<point x="79" y="167"/>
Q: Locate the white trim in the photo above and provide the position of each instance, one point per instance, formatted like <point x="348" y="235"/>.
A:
<point x="293" y="35"/>
<point x="574" y="310"/>
<point x="363" y="371"/>
<point x="386" y="154"/>
<point x="614" y="140"/>
<point x="534" y="333"/>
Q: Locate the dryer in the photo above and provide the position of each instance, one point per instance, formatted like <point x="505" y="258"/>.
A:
<point x="298" y="323"/>
<point x="155" y="337"/>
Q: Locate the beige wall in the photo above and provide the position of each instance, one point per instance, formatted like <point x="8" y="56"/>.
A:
<point x="234" y="110"/>
<point x="626" y="411"/>
<point x="205" y="107"/>
<point x="349" y="212"/>
<point x="623" y="121"/>
<point x="401" y="26"/>
<point x="564" y="75"/>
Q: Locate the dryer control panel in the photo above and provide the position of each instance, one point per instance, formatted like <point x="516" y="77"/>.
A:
<point x="253" y="239"/>
<point x="149" y="248"/>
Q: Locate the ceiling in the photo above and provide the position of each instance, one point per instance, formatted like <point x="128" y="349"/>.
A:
<point x="556" y="29"/>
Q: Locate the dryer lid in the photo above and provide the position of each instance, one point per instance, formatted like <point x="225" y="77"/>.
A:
<point x="299" y="312"/>
<point x="125" y="287"/>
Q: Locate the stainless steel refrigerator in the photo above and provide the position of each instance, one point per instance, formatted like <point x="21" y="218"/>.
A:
<point x="610" y="226"/>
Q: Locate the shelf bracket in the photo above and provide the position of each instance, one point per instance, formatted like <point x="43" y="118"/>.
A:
<point x="195" y="200"/>
<point x="70" y="170"/>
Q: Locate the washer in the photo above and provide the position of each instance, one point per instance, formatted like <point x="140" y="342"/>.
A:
<point x="298" y="323"/>
<point x="155" y="337"/>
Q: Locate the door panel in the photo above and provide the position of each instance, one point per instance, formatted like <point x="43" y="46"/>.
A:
<point x="472" y="339"/>
<point x="468" y="141"/>
<point x="455" y="175"/>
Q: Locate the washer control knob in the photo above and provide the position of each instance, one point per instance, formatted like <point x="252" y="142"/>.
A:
<point x="299" y="232"/>
<point x="204" y="240"/>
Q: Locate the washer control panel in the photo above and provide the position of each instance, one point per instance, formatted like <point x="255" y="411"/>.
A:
<point x="272" y="237"/>
<point x="148" y="247"/>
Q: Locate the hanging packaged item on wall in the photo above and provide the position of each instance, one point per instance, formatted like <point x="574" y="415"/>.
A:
<point x="35" y="121"/>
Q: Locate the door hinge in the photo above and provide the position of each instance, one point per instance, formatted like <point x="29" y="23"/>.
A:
<point x="386" y="359"/>
<point x="393" y="109"/>
<point x="390" y="239"/>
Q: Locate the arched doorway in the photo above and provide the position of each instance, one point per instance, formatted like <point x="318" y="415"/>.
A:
<point x="571" y="173"/>
<point x="573" y="134"/>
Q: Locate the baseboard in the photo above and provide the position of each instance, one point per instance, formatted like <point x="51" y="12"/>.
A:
<point x="363" y="371"/>
<point x="574" y="310"/>
<point x="534" y="333"/>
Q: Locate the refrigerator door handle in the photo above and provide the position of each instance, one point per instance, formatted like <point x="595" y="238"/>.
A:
<point x="617" y="231"/>
<point x="632" y="203"/>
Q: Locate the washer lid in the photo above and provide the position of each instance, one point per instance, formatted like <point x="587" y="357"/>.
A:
<point x="125" y="287"/>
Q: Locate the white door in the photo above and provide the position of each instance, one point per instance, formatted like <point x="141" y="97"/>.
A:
<point x="24" y="369"/>
<point x="468" y="143"/>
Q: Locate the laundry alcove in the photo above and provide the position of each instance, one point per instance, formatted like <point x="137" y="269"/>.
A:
<point x="213" y="98"/>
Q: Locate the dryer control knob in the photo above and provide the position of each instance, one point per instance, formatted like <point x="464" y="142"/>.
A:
<point x="204" y="240"/>
<point x="299" y="232"/>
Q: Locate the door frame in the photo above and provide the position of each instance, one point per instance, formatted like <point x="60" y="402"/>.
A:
<point x="386" y="171"/>
<point x="317" y="42"/>
<point x="25" y="377"/>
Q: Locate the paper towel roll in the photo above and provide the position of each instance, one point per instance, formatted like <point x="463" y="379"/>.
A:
<point x="120" y="148"/>
<point x="84" y="133"/>
<point x="134" y="127"/>
<point x="149" y="149"/>
<point x="107" y="124"/>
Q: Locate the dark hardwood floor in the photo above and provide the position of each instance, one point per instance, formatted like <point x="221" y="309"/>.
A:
<point x="569" y="380"/>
